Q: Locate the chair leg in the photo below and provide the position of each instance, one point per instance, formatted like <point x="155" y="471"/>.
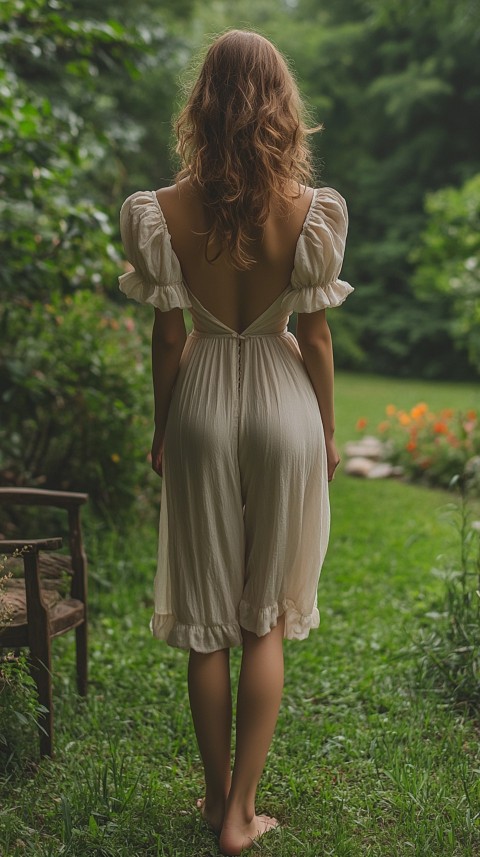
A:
<point x="81" y="635"/>
<point x="41" y="670"/>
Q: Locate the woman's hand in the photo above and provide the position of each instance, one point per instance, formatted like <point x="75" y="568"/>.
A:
<point x="333" y="458"/>
<point x="157" y="452"/>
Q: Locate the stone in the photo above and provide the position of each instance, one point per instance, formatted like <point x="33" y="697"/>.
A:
<point x="367" y="447"/>
<point x="472" y="473"/>
<point x="380" y="470"/>
<point x="472" y="467"/>
<point x="358" y="466"/>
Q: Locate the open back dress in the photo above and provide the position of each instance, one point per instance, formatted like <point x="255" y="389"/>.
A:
<point x="244" y="515"/>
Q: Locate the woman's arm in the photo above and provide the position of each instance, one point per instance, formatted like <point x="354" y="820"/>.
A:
<point x="168" y="341"/>
<point x="315" y="343"/>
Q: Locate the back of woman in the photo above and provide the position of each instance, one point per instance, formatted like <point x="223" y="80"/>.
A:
<point x="244" y="416"/>
<point x="236" y="296"/>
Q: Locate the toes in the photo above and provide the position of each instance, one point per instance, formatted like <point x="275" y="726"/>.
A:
<point x="268" y="823"/>
<point x="268" y="819"/>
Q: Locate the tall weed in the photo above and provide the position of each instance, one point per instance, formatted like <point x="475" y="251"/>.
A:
<point x="449" y="646"/>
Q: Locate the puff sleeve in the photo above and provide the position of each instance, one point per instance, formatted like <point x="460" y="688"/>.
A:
<point x="315" y="282"/>
<point x="157" y="278"/>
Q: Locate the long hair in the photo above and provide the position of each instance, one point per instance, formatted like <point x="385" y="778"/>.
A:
<point x="241" y="138"/>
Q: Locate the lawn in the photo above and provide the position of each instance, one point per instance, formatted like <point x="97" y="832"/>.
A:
<point x="367" y="760"/>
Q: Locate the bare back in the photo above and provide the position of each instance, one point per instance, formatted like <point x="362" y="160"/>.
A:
<point x="236" y="298"/>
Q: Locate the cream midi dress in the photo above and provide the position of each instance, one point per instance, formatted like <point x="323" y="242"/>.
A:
<point x="244" y="516"/>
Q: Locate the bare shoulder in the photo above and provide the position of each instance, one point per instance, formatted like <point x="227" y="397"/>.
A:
<point x="178" y="200"/>
<point x="177" y="192"/>
<point x="298" y="198"/>
<point x="298" y="192"/>
<point x="299" y="195"/>
<point x="303" y="189"/>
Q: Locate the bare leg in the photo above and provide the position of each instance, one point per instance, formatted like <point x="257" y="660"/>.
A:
<point x="211" y="704"/>
<point x="259" y="694"/>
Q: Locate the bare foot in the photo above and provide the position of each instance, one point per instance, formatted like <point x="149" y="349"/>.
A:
<point x="236" y="837"/>
<point x="213" y="818"/>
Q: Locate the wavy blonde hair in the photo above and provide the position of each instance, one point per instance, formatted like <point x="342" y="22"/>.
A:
<point x="241" y="138"/>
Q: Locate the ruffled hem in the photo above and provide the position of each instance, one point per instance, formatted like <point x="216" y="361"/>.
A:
<point x="313" y="298"/>
<point x="201" y="638"/>
<point x="164" y="297"/>
<point x="261" y="620"/>
<point x="211" y="638"/>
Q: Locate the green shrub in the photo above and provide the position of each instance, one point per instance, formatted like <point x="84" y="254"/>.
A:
<point x="75" y="395"/>
<point x="448" y="260"/>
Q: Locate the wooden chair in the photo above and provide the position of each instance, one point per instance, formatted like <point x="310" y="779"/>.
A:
<point x="38" y="609"/>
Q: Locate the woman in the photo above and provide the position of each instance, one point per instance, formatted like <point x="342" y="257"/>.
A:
<point x="244" y="418"/>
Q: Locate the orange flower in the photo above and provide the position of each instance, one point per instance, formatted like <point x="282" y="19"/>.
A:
<point x="411" y="445"/>
<point x="471" y="415"/>
<point x="390" y="410"/>
<point x="384" y="425"/>
<point x="424" y="463"/>
<point x="404" y="418"/>
<point x="440" y="427"/>
<point x="361" y="423"/>
<point x="418" y="411"/>
<point x="453" y="441"/>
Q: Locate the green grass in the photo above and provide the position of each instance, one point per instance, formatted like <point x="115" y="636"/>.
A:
<point x="368" y="759"/>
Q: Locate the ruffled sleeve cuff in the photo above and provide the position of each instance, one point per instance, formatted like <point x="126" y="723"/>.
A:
<point x="164" y="297"/>
<point x="314" y="298"/>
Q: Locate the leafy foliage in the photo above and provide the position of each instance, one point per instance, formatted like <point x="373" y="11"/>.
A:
<point x="56" y="235"/>
<point x="74" y="393"/>
<point x="448" y="261"/>
<point x="73" y="387"/>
